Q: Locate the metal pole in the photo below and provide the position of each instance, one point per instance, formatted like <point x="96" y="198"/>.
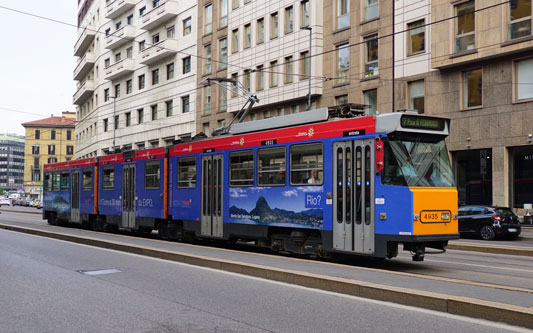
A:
<point x="393" y="56"/>
<point x="309" y="92"/>
<point x="114" y="120"/>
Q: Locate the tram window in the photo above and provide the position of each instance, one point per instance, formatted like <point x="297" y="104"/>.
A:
<point x="87" y="179"/>
<point x="65" y="177"/>
<point x="271" y="166"/>
<point x="241" y="168"/>
<point x="307" y="164"/>
<point x="47" y="182"/>
<point x="56" y="181"/>
<point x="108" y="179"/>
<point x="152" y="174"/>
<point x="187" y="172"/>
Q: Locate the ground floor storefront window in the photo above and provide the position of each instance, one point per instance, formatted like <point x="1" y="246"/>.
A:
<point x="521" y="176"/>
<point x="473" y="176"/>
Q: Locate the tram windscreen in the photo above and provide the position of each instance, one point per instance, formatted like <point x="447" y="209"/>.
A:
<point x="414" y="160"/>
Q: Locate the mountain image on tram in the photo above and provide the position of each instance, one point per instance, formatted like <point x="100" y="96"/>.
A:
<point x="308" y="183"/>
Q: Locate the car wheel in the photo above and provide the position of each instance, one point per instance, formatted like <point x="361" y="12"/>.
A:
<point x="487" y="233"/>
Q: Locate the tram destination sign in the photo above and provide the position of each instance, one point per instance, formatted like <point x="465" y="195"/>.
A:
<point x="354" y="132"/>
<point x="422" y="123"/>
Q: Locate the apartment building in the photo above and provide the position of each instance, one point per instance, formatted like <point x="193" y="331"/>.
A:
<point x="136" y="74"/>
<point x="47" y="140"/>
<point x="471" y="61"/>
<point x="11" y="161"/>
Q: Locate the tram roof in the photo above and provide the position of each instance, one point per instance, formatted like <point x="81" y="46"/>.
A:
<point x="70" y="164"/>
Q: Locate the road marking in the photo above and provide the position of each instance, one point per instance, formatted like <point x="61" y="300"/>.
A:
<point x="99" y="272"/>
<point x="484" y="266"/>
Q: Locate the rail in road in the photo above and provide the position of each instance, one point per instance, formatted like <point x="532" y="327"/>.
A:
<point x="513" y="304"/>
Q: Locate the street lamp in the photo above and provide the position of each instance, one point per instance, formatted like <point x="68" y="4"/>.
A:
<point x="309" y="92"/>
<point x="114" y="119"/>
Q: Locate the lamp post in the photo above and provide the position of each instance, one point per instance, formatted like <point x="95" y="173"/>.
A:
<point x="309" y="92"/>
<point x="114" y="119"/>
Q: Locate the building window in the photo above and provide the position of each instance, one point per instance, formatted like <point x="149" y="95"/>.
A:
<point x="524" y="79"/>
<point x="142" y="45"/>
<point x="247" y="36"/>
<point x="246" y="80"/>
<point x="416" y="96"/>
<point x="341" y="100"/>
<point x="106" y="95"/>
<point x="473" y="88"/>
<point x="35" y="150"/>
<point x="171" y="32"/>
<point x="37" y="134"/>
<point x="169" y="106"/>
<point x="289" y="20"/>
<point x="343" y="13"/>
<point x="186" y="64"/>
<point x="140" y="116"/>
<point x="274" y="25"/>
<point x="223" y="13"/>
<point x="187" y="26"/>
<point x="107" y="62"/>
<point x="234" y="90"/>
<point x="234" y="4"/>
<point x="371" y="56"/>
<point x="305" y="65"/>
<point x="371" y="9"/>
<point x="70" y="150"/>
<point x="116" y="122"/>
<point x="343" y="63"/>
<point x="187" y="172"/>
<point x="417" y="32"/>
<point x="155" y="76"/>
<point x="371" y="100"/>
<point x="273" y="75"/>
<point x="473" y="170"/>
<point x="307" y="164"/>
<point x="155" y="3"/>
<point x="465" y="26"/>
<point x="106" y="124"/>
<point x="108" y="179"/>
<point x="153" y="108"/>
<point x="288" y="70"/>
<point x="259" y="78"/>
<point x="118" y="57"/>
<point x="241" y="168"/>
<point x="185" y="104"/>
<point x="208" y="17"/>
<point x="271" y="166"/>
<point x="304" y="13"/>
<point x="117" y="90"/>
<point x="142" y="11"/>
<point x="260" y="31"/>
<point x="207" y="100"/>
<point x="128" y="119"/>
<point x="129" y="52"/>
<point x="69" y="135"/>
<point x="129" y="20"/>
<point x="205" y="127"/>
<point x="223" y="47"/>
<point x="170" y="71"/>
<point x="52" y="135"/>
<point x="141" y="81"/>
<point x="235" y="41"/>
<point x="207" y="55"/>
<point x="51" y="149"/>
<point x="222" y="97"/>
<point x="129" y="88"/>
<point x="519" y="18"/>
<point x="108" y="32"/>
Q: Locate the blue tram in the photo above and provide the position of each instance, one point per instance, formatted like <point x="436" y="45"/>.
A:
<point x="312" y="185"/>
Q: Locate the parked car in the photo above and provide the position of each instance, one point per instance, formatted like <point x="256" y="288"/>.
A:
<point x="34" y="203"/>
<point x="4" y="201"/>
<point x="40" y="205"/>
<point x="19" y="202"/>
<point x="27" y="202"/>
<point x="488" y="222"/>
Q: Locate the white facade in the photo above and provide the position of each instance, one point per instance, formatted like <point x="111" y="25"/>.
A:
<point x="118" y="43"/>
<point x="272" y="48"/>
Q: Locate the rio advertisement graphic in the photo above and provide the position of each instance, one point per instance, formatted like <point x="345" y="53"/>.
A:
<point x="278" y="206"/>
<point x="58" y="201"/>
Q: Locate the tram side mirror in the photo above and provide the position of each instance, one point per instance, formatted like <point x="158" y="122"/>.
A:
<point x="379" y="155"/>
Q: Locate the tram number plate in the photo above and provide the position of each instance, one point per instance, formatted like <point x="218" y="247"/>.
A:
<point x="434" y="216"/>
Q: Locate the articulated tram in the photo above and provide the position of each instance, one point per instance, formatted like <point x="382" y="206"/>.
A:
<point x="302" y="183"/>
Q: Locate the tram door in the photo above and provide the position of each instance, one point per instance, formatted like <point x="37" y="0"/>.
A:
<point x="212" y="180"/>
<point x="128" y="196"/>
<point x="75" y="197"/>
<point x="353" y="204"/>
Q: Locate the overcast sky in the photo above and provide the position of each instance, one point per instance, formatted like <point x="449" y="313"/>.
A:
<point x="36" y="61"/>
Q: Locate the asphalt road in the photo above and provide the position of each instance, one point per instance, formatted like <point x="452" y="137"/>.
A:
<point x="45" y="288"/>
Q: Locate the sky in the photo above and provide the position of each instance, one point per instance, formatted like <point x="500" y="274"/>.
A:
<point x="36" y="61"/>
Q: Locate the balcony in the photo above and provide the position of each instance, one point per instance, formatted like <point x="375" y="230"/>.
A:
<point x="85" y="40"/>
<point x="118" y="7"/>
<point x="85" y="90"/>
<point x="119" y="69"/>
<point x="159" y="51"/>
<point x="159" y="15"/>
<point x="120" y="37"/>
<point x="84" y="66"/>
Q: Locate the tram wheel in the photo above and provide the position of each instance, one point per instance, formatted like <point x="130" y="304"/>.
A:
<point x="52" y="219"/>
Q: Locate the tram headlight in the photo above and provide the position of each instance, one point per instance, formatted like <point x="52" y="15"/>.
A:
<point x="445" y="216"/>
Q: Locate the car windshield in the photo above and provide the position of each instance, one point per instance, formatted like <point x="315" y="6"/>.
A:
<point x="416" y="161"/>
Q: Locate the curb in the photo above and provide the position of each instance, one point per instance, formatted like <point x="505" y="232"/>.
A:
<point x="464" y="306"/>
<point x="20" y="211"/>
<point x="490" y="249"/>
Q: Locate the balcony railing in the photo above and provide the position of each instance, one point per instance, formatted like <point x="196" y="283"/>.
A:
<point x="84" y="66"/>
<point x="159" y="51"/>
<point x="85" y="40"/>
<point x="159" y="15"/>
<point x="120" y="37"/>
<point x="119" y="69"/>
<point x="118" y="7"/>
<point x="85" y="91"/>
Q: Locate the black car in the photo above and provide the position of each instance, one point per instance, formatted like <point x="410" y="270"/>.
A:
<point x="488" y="222"/>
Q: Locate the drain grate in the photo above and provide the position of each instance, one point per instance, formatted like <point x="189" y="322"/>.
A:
<point x="99" y="272"/>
